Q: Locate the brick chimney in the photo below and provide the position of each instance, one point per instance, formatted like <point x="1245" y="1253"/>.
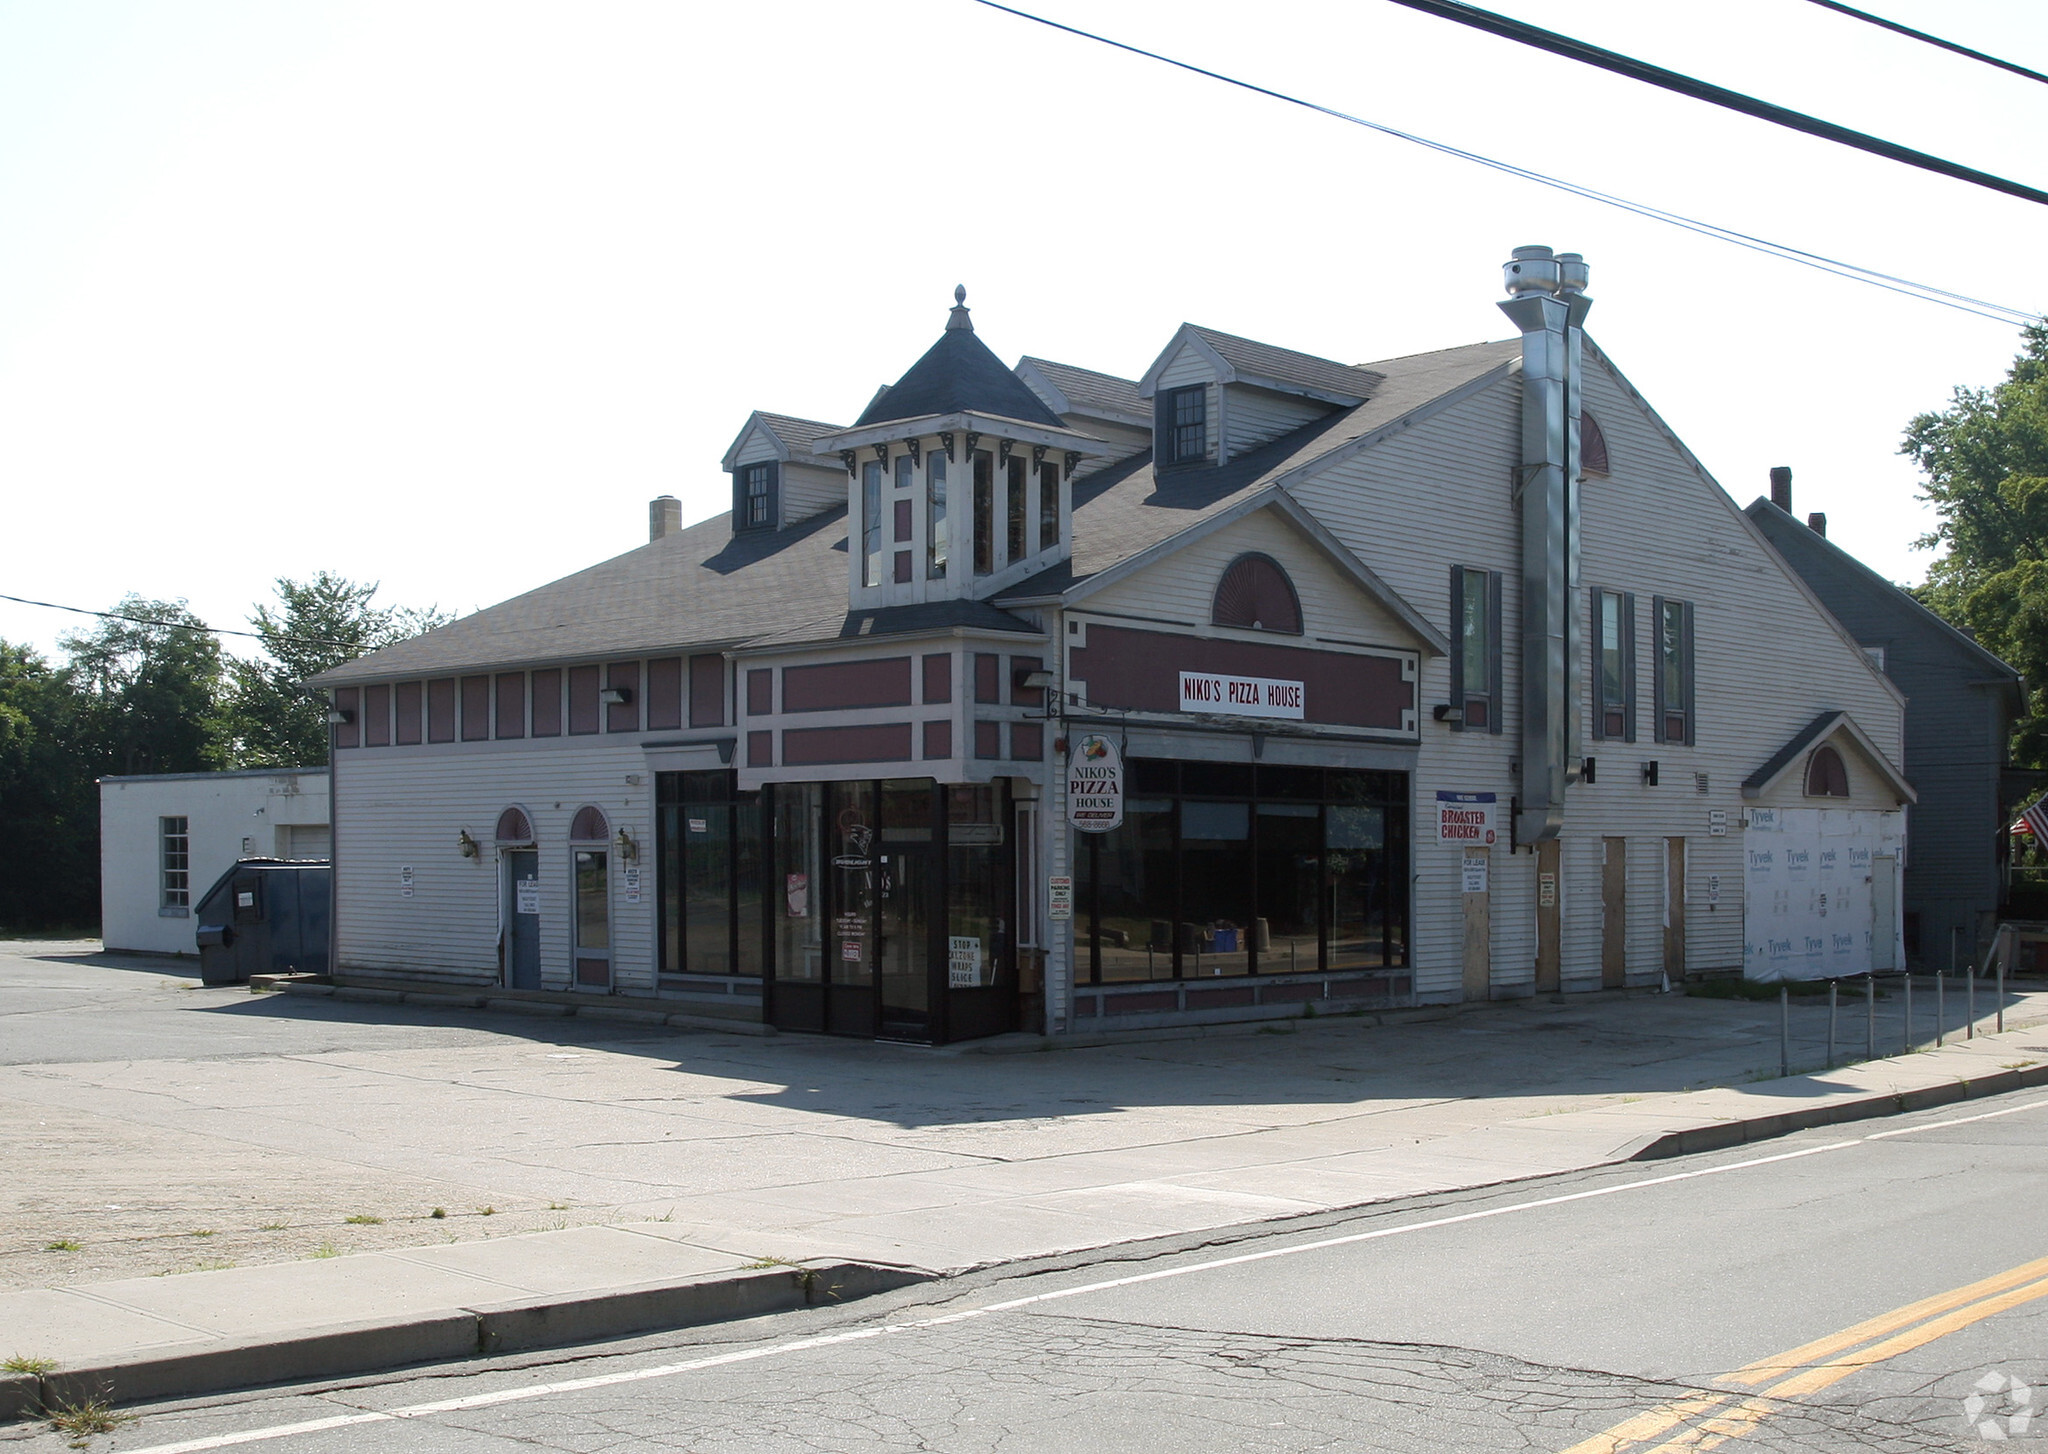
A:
<point x="664" y="516"/>
<point x="1781" y="487"/>
<point x="1817" y="522"/>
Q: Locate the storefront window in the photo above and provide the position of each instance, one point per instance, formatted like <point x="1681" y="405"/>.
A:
<point x="1220" y="869"/>
<point x="850" y="830"/>
<point x="799" y="925"/>
<point x="709" y="871"/>
<point x="975" y="920"/>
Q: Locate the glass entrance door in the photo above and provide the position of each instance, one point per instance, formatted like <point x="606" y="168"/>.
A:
<point x="904" y="874"/>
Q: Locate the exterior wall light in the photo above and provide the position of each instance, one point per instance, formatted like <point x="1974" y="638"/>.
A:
<point x="465" y="845"/>
<point x="629" y="851"/>
<point x="1649" y="774"/>
<point x="615" y="696"/>
<point x="338" y="716"/>
<point x="1445" y="712"/>
<point x="1036" y="680"/>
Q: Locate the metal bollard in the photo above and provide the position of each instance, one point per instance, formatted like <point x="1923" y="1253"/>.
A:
<point x="2001" y="995"/>
<point x="1832" y="987"/>
<point x="1909" y="1014"/>
<point x="1940" y="1007"/>
<point x="1870" y="1017"/>
<point x="1784" y="1030"/>
<point x="1970" y="1002"/>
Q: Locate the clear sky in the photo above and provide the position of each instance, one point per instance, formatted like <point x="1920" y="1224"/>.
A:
<point x="440" y="294"/>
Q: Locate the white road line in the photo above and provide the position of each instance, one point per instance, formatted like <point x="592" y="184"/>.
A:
<point x="859" y="1335"/>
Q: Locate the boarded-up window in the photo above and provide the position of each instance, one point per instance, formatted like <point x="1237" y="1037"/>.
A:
<point x="377" y="716"/>
<point x="583" y="705"/>
<point x="938" y="678"/>
<point x="664" y="693"/>
<point x="622" y="705"/>
<point x="988" y="677"/>
<point x="938" y="739"/>
<point x="761" y="692"/>
<point x="707" y="691"/>
<point x="547" y="703"/>
<point x="441" y="710"/>
<point x="511" y="704"/>
<point x="476" y="708"/>
<point x="406" y="698"/>
<point x="1256" y="595"/>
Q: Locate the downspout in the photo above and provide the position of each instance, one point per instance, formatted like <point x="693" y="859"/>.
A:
<point x="1547" y="303"/>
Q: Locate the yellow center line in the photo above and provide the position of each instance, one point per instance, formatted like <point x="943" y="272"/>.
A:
<point x="1800" y="1372"/>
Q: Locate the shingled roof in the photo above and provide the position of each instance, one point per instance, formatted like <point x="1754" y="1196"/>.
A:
<point x="1286" y="366"/>
<point x="1089" y="392"/>
<point x="958" y="374"/>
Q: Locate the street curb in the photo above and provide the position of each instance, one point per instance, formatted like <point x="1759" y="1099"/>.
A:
<point x="492" y="1328"/>
<point x="1718" y="1136"/>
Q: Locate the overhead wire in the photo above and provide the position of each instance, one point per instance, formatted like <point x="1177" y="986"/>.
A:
<point x="199" y="627"/>
<point x="1925" y="292"/>
<point x="1522" y="33"/>
<point x="1934" y="40"/>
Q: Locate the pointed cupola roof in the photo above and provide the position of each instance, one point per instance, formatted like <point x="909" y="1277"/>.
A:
<point x="956" y="375"/>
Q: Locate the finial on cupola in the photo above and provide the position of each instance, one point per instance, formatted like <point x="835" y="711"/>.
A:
<point x="959" y="318"/>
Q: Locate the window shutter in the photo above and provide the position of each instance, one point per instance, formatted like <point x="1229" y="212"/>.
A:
<point x="774" y="520"/>
<point x="1457" y="634"/>
<point x="1628" y="665"/>
<point x="1692" y="696"/>
<point x="1657" y="669"/>
<point x="1162" y="428"/>
<point x="1596" y="666"/>
<point x="1497" y="713"/>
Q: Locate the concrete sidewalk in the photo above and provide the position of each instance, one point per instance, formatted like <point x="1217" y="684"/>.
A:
<point x="726" y="1255"/>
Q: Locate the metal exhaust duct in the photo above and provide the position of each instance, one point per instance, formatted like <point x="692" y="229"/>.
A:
<point x="1547" y="302"/>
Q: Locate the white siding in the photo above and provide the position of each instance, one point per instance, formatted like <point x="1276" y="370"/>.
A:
<point x="809" y="490"/>
<point x="1867" y="786"/>
<point x="1253" y="417"/>
<point x="1123" y="442"/>
<point x="1187" y="368"/>
<point x="405" y="807"/>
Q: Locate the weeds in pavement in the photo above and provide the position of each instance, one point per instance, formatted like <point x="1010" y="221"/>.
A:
<point x="275" y="1227"/>
<point x="36" y="1367"/>
<point x="200" y="1232"/>
<point x="325" y="1249"/>
<point x="764" y="1262"/>
<point x="438" y="1213"/>
<point x="556" y="1224"/>
<point x="212" y="1264"/>
<point x="63" y="1244"/>
<point x="558" y="1206"/>
<point x="84" y="1419"/>
<point x="667" y="1216"/>
<point x="487" y="1211"/>
<point x="364" y="1219"/>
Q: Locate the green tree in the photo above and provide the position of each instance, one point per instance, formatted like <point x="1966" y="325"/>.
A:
<point x="269" y="717"/>
<point x="1985" y="458"/>
<point x="49" y="870"/>
<point x="145" y="687"/>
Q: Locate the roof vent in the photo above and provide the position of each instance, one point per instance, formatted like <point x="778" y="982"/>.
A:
<point x="1817" y="522"/>
<point x="1781" y="487"/>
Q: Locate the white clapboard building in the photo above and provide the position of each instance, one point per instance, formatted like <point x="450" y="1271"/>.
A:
<point x="1445" y="677"/>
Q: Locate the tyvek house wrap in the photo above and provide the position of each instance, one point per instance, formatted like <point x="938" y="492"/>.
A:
<point x="1811" y="900"/>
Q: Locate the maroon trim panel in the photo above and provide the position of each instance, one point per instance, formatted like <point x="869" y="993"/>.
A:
<point x="938" y="678"/>
<point x="988" y="677"/>
<point x="623" y="716"/>
<point x="938" y="740"/>
<point x="760" y="749"/>
<point x="377" y="716"/>
<point x="988" y="739"/>
<point x="1027" y="741"/>
<point x="664" y="693"/>
<point x="348" y="701"/>
<point x="840" y="685"/>
<point x="547" y="702"/>
<point x="1140" y="671"/>
<point x="441" y="710"/>
<point x="902" y="567"/>
<point x="511" y="704"/>
<point x="407" y="698"/>
<point x="761" y="692"/>
<point x="877" y="742"/>
<point x="476" y="708"/>
<point x="707" y="691"/>
<point x="1025" y="696"/>
<point x="583" y="702"/>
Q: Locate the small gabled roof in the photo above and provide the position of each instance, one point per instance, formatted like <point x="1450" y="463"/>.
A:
<point x="1247" y="361"/>
<point x="793" y="437"/>
<point x="1786" y="758"/>
<point x="1083" y="391"/>
<point x="958" y="375"/>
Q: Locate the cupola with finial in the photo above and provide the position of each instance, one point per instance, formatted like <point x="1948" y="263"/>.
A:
<point x="958" y="477"/>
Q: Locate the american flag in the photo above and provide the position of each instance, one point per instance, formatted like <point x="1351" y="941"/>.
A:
<point x="2035" y="820"/>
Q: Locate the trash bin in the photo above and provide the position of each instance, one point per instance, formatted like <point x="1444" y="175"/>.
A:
<point x="264" y="916"/>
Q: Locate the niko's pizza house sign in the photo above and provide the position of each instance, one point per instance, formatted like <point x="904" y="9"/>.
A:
<point x="1238" y="696"/>
<point x="1095" y="784"/>
<point x="1472" y="818"/>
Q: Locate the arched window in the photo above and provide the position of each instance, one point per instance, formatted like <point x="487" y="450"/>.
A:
<point x="515" y="827"/>
<point x="1826" y="775"/>
<point x="1255" y="593"/>
<point x="1592" y="446"/>
<point x="589" y="826"/>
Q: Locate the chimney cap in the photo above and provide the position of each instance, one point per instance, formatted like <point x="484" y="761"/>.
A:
<point x="1781" y="487"/>
<point x="1817" y="522"/>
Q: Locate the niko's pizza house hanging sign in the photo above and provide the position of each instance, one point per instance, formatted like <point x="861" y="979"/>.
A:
<point x="1095" y="784"/>
<point x="1472" y="818"/>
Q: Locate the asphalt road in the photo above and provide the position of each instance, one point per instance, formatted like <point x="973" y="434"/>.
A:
<point x="1610" y="1311"/>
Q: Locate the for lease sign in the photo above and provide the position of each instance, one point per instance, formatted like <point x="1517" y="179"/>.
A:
<point x="1240" y="696"/>
<point x="1468" y="818"/>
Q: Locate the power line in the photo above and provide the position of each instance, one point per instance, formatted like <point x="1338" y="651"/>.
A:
<point x="187" y="625"/>
<point x="1921" y="35"/>
<point x="1607" y="60"/>
<point x="1925" y="292"/>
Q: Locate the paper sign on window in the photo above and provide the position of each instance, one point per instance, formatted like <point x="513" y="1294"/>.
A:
<point x="963" y="961"/>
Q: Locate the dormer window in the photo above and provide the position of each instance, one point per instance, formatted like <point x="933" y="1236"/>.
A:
<point x="754" y="509"/>
<point x="1185" y="413"/>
